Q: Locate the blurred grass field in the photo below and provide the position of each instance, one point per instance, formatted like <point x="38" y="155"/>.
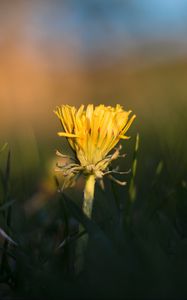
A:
<point x="81" y="52"/>
<point x="137" y="248"/>
<point x="156" y="93"/>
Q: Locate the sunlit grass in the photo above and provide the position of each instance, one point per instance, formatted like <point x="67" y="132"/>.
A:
<point x="137" y="237"/>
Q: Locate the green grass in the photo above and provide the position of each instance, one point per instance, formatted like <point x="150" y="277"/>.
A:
<point x="138" y="235"/>
<point x="137" y="240"/>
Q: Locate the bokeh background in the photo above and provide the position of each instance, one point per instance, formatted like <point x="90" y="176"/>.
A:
<point x="57" y="52"/>
<point x="88" y="51"/>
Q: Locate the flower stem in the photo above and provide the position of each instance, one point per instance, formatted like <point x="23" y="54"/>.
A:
<point x="87" y="209"/>
<point x="89" y="195"/>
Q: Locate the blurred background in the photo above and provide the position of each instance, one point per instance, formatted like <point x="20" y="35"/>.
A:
<point x="76" y="52"/>
<point x="111" y="51"/>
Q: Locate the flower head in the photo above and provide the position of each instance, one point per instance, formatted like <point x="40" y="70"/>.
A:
<point x="92" y="133"/>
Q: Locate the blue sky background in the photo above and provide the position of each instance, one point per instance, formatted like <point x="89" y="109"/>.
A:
<point x="96" y="23"/>
<point x="98" y="27"/>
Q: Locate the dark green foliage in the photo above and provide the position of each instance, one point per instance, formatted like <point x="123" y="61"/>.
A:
<point x="137" y="246"/>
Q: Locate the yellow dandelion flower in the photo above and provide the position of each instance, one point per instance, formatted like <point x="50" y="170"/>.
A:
<point x="92" y="133"/>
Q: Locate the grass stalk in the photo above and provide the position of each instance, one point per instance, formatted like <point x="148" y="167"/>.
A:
<point x="87" y="209"/>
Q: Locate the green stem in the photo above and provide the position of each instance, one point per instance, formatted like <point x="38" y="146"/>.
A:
<point x="89" y="195"/>
<point x="87" y="209"/>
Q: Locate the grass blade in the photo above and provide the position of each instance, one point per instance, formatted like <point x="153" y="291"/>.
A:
<point x="3" y="147"/>
<point x="132" y="186"/>
<point x="7" y="237"/>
